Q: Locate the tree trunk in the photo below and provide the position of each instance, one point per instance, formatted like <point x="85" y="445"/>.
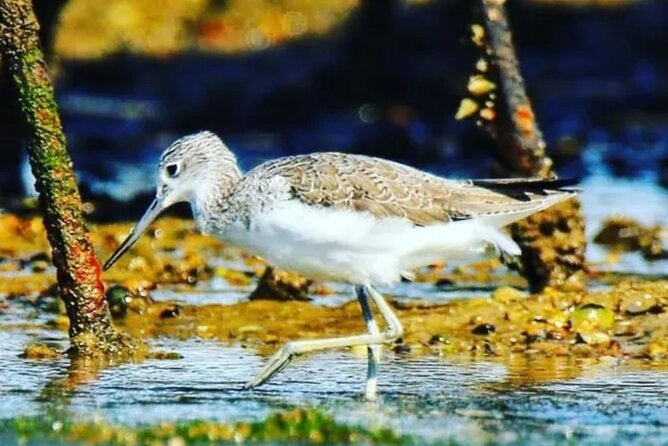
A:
<point x="553" y="241"/>
<point x="91" y="328"/>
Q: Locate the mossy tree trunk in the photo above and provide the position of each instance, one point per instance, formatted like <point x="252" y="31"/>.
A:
<point x="553" y="241"/>
<point x="11" y="122"/>
<point x="78" y="270"/>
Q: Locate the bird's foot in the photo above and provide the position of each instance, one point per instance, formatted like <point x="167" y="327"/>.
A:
<point x="275" y="364"/>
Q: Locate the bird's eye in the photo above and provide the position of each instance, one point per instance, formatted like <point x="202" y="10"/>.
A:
<point x="172" y="170"/>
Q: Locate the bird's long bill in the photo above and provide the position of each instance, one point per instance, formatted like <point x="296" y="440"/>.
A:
<point x="151" y="213"/>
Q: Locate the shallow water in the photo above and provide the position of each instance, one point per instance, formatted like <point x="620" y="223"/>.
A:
<point x="519" y="401"/>
<point x="645" y="201"/>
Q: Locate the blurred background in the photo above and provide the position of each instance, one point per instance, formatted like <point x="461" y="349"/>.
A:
<point x="380" y="77"/>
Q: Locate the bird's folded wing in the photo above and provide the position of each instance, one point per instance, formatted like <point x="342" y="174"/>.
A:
<point x="387" y="189"/>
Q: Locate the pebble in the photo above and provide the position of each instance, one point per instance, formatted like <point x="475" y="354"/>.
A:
<point x="483" y="329"/>
<point x="40" y="351"/>
<point x="118" y="298"/>
<point x="594" y="338"/>
<point x="437" y="339"/>
<point x="402" y="348"/>
<point x="591" y="317"/>
<point x="170" y="312"/>
<point x="639" y="304"/>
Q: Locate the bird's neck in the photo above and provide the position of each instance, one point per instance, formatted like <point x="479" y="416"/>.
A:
<point x="211" y="201"/>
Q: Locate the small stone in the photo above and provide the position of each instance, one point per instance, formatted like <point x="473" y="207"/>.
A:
<point x="557" y="334"/>
<point x="402" y="348"/>
<point x="626" y="328"/>
<point x="437" y="339"/>
<point x="39" y="266"/>
<point x="118" y="298"/>
<point x="444" y="282"/>
<point x="281" y="285"/>
<point x="162" y="355"/>
<point x="39" y="351"/>
<point x="620" y="234"/>
<point x="592" y="317"/>
<point x="594" y="338"/>
<point x="635" y="304"/>
<point x="170" y="312"/>
<point x="483" y="329"/>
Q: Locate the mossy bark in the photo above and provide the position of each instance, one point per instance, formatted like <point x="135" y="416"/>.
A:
<point x="553" y="241"/>
<point x="79" y="274"/>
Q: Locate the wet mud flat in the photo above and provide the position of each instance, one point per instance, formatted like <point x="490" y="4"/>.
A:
<point x="482" y="360"/>
<point x="429" y="398"/>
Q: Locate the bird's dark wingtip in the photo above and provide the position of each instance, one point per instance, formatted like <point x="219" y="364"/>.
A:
<point x="531" y="183"/>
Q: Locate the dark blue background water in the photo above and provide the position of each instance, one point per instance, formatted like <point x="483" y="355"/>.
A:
<point x="387" y="82"/>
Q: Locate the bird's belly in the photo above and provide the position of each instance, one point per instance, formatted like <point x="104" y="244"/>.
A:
<point x="355" y="247"/>
<point x="322" y="244"/>
<point x="334" y="260"/>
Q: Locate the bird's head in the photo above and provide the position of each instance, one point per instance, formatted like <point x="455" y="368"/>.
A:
<point x="191" y="165"/>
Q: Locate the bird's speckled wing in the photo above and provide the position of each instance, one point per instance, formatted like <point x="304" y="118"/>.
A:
<point x="387" y="189"/>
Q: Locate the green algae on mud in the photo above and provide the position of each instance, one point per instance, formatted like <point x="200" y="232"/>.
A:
<point x="470" y="352"/>
<point x="173" y="256"/>
<point x="306" y="426"/>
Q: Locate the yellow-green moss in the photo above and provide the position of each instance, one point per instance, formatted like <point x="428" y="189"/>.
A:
<point x="303" y="426"/>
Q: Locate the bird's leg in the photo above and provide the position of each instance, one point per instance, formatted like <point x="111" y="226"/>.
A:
<point x="281" y="358"/>
<point x="394" y="329"/>
<point x="373" y="351"/>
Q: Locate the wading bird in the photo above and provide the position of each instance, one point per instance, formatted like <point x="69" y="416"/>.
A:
<point x="344" y="217"/>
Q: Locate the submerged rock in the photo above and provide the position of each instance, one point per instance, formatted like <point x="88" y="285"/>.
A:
<point x="281" y="285"/>
<point x="639" y="303"/>
<point x="622" y="234"/>
<point x="40" y="351"/>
